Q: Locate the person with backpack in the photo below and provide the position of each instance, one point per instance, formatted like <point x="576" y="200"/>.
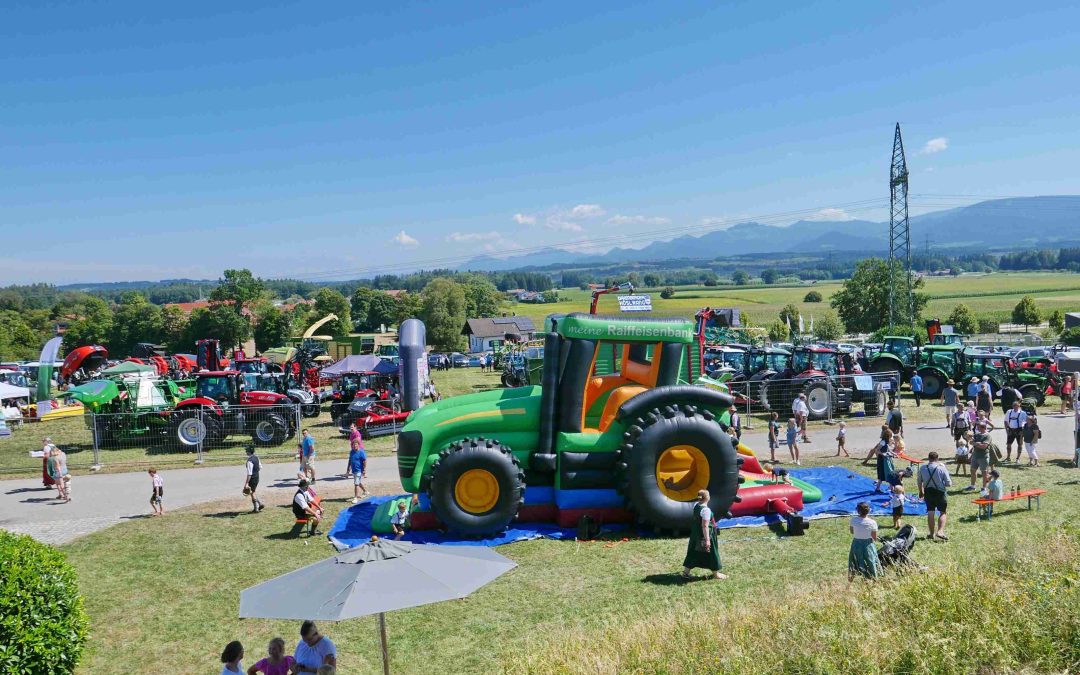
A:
<point x="933" y="479"/>
<point x="304" y="508"/>
<point x="251" y="478"/>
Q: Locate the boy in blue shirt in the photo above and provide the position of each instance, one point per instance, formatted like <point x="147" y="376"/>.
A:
<point x="307" y="456"/>
<point x="917" y="388"/>
<point x="357" y="468"/>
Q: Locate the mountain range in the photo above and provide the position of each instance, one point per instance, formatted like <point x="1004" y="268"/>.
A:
<point x="998" y="224"/>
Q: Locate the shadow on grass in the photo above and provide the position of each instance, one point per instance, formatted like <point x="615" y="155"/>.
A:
<point x="297" y="531"/>
<point x="1063" y="463"/>
<point x="1000" y="513"/>
<point x="673" y="579"/>
<point x="139" y="516"/>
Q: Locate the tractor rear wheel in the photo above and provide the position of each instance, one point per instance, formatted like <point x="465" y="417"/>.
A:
<point x="1034" y="392"/>
<point x="270" y="430"/>
<point x="933" y="384"/>
<point x="187" y="429"/>
<point x="668" y="456"/>
<point x="817" y="399"/>
<point x="477" y="487"/>
<point x="875" y="403"/>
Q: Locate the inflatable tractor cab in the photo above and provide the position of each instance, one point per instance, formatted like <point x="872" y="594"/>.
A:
<point x="613" y="415"/>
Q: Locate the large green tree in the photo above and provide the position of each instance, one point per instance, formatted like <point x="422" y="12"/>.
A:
<point x="272" y="328"/>
<point x="89" y="321"/>
<point x="371" y="308"/>
<point x="1026" y="312"/>
<point x="331" y="301"/>
<point x="482" y="299"/>
<point x="828" y="326"/>
<point x="443" y="312"/>
<point x="135" y="320"/>
<point x="407" y="306"/>
<point x="238" y="288"/>
<point x="863" y="302"/>
<point x="173" y="323"/>
<point x="19" y="339"/>
<point x="963" y="320"/>
<point x="219" y="321"/>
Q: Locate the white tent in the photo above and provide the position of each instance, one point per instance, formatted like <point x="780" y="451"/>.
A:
<point x="10" y="391"/>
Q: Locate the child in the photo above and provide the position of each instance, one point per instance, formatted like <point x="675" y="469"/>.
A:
<point x="792" y="439"/>
<point x="995" y="488"/>
<point x="896" y="501"/>
<point x="398" y="521"/>
<point x="841" y="437"/>
<point x="774" y="435"/>
<point x="963" y="456"/>
<point x="778" y="475"/>
<point x="1032" y="434"/>
<point x="158" y="492"/>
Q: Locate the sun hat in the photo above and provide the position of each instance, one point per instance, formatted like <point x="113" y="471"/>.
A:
<point x="950" y="382"/>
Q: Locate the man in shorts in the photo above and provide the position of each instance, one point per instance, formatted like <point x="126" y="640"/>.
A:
<point x="1015" y="419"/>
<point x="251" y="479"/>
<point x="933" y="479"/>
<point x="307" y="455"/>
<point x="949" y="398"/>
<point x="357" y="467"/>
<point x="980" y="456"/>
<point x="801" y="412"/>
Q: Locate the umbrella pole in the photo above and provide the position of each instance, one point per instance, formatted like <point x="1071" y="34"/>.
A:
<point x="382" y="639"/>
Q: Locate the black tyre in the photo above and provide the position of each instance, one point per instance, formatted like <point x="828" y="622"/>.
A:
<point x="310" y="410"/>
<point x="669" y="455"/>
<point x="1034" y="392"/>
<point x="270" y="430"/>
<point x="875" y="403"/>
<point x="477" y="487"/>
<point x="818" y="400"/>
<point x="933" y="384"/>
<point x="505" y="379"/>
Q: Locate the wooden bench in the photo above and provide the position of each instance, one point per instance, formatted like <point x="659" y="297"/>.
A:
<point x="986" y="506"/>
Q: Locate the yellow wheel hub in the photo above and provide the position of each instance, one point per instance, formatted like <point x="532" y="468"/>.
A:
<point x="476" y="491"/>
<point x="681" y="471"/>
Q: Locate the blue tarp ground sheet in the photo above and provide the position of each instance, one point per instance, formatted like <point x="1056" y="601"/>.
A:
<point x="841" y="490"/>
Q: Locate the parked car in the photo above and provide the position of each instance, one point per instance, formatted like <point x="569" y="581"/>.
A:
<point x="476" y="360"/>
<point x="435" y="359"/>
<point x="459" y="360"/>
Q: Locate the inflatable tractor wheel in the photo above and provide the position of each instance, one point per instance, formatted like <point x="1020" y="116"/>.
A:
<point x="668" y="456"/>
<point x="477" y="487"/>
<point x="188" y="429"/>
<point x="270" y="430"/>
<point x="817" y="399"/>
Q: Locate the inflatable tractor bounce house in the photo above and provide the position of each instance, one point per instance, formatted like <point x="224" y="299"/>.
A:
<point x="615" y="431"/>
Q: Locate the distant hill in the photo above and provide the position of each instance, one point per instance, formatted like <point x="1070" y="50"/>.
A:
<point x="1023" y="222"/>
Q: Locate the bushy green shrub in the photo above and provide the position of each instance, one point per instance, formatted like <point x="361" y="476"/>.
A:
<point x="989" y="326"/>
<point x="812" y="296"/>
<point x="668" y="293"/>
<point x="42" y="623"/>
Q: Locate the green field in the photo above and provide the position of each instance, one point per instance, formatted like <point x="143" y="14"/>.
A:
<point x="989" y="295"/>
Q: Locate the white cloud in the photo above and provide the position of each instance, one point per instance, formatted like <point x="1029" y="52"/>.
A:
<point x="620" y="219"/>
<point x="586" y="211"/>
<point x="557" y="222"/>
<point x="935" y="145"/>
<point x="524" y="219"/>
<point x="461" y="237"/>
<point x="831" y="214"/>
<point x="402" y="239"/>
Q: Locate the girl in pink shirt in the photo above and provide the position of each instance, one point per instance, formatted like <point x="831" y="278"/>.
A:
<point x="277" y="663"/>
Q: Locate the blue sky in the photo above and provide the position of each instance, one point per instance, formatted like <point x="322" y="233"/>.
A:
<point x="319" y="140"/>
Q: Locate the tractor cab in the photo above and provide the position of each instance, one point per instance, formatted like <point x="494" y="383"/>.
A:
<point x="259" y="365"/>
<point x="816" y="361"/>
<point x="220" y="386"/>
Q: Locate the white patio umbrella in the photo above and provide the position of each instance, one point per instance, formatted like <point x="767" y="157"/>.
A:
<point x="374" y="578"/>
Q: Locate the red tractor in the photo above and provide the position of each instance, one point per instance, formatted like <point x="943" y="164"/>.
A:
<point x="222" y="407"/>
<point x="830" y="379"/>
<point x="372" y="417"/>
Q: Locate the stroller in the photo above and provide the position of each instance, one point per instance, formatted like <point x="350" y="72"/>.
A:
<point x="896" y="551"/>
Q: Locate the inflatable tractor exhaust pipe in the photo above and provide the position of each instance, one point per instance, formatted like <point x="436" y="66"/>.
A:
<point x="412" y="363"/>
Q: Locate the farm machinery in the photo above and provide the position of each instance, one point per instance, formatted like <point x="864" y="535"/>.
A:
<point x="261" y="375"/>
<point x="223" y="406"/>
<point x="127" y="410"/>
<point x="831" y="380"/>
<point x="940" y="363"/>
<point x="83" y="364"/>
<point x="613" y="432"/>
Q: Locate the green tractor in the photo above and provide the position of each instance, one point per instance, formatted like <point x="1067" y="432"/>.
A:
<point x="898" y="354"/>
<point x="127" y="410"/>
<point x="614" y="411"/>
<point x="940" y="363"/>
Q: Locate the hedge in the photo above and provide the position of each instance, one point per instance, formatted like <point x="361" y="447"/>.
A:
<point x="43" y="626"/>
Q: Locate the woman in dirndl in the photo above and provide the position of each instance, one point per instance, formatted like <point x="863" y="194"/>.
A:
<point x="863" y="556"/>
<point x="701" y="551"/>
<point x="883" y="455"/>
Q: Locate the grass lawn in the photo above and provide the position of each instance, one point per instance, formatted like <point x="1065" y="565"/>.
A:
<point x="168" y="589"/>
<point x="72" y="434"/>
